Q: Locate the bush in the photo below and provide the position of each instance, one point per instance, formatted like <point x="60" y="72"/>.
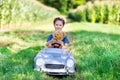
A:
<point x="18" y="11"/>
<point x="60" y="5"/>
<point x="98" y="12"/>
<point x="114" y="13"/>
<point x="104" y="12"/>
<point x="64" y="5"/>
<point x="90" y="15"/>
<point x="77" y="16"/>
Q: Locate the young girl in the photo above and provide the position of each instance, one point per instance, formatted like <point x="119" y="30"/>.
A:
<point x="58" y="25"/>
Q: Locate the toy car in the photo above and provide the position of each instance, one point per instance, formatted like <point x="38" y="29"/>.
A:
<point x="55" y="61"/>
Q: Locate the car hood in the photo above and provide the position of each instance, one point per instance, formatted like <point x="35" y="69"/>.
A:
<point x="55" y="61"/>
<point x="53" y="55"/>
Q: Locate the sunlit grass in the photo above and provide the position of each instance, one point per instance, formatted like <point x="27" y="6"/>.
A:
<point x="96" y="48"/>
<point x="96" y="27"/>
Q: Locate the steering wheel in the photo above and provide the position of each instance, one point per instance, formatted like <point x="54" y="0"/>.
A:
<point x="56" y="45"/>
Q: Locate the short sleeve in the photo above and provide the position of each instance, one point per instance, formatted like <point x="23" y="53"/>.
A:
<point x="49" y="37"/>
<point x="66" y="40"/>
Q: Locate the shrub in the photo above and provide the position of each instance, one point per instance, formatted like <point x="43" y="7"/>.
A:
<point x="18" y="11"/>
<point x="60" y="5"/>
<point x="90" y="15"/>
<point x="98" y="12"/>
<point x="64" y="5"/>
<point x="105" y="14"/>
<point x="77" y="16"/>
<point x="114" y="13"/>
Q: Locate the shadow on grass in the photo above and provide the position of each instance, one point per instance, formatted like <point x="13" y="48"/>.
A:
<point x="20" y="63"/>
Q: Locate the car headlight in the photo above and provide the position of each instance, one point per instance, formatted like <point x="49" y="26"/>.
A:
<point x="39" y="62"/>
<point x="70" y="63"/>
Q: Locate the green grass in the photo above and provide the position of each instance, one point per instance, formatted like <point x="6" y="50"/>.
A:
<point x="96" y="48"/>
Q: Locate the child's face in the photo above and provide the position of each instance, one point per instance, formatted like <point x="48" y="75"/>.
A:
<point x="58" y="25"/>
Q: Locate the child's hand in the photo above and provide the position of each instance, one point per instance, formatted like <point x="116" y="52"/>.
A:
<point x="48" y="45"/>
<point x="65" y="47"/>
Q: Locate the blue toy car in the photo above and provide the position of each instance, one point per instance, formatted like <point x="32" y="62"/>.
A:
<point x="55" y="61"/>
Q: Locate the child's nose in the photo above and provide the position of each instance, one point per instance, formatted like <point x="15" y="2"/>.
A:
<point x="59" y="26"/>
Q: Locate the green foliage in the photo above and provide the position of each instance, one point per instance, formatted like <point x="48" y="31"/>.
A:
<point x="80" y="2"/>
<point x="77" y="16"/>
<point x="98" y="12"/>
<point x="19" y="11"/>
<point x="90" y="15"/>
<point x="106" y="13"/>
<point x="60" y="5"/>
<point x="114" y="12"/>
<point x="63" y="6"/>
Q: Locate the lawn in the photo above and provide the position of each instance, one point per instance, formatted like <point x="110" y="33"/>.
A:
<point x="96" y="48"/>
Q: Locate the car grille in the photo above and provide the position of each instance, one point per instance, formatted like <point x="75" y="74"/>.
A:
<point x="54" y="66"/>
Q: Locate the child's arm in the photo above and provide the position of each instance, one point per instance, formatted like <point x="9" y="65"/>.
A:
<point x="49" y="44"/>
<point x="49" y="40"/>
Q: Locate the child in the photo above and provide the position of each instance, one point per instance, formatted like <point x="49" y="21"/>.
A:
<point x="58" y="25"/>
